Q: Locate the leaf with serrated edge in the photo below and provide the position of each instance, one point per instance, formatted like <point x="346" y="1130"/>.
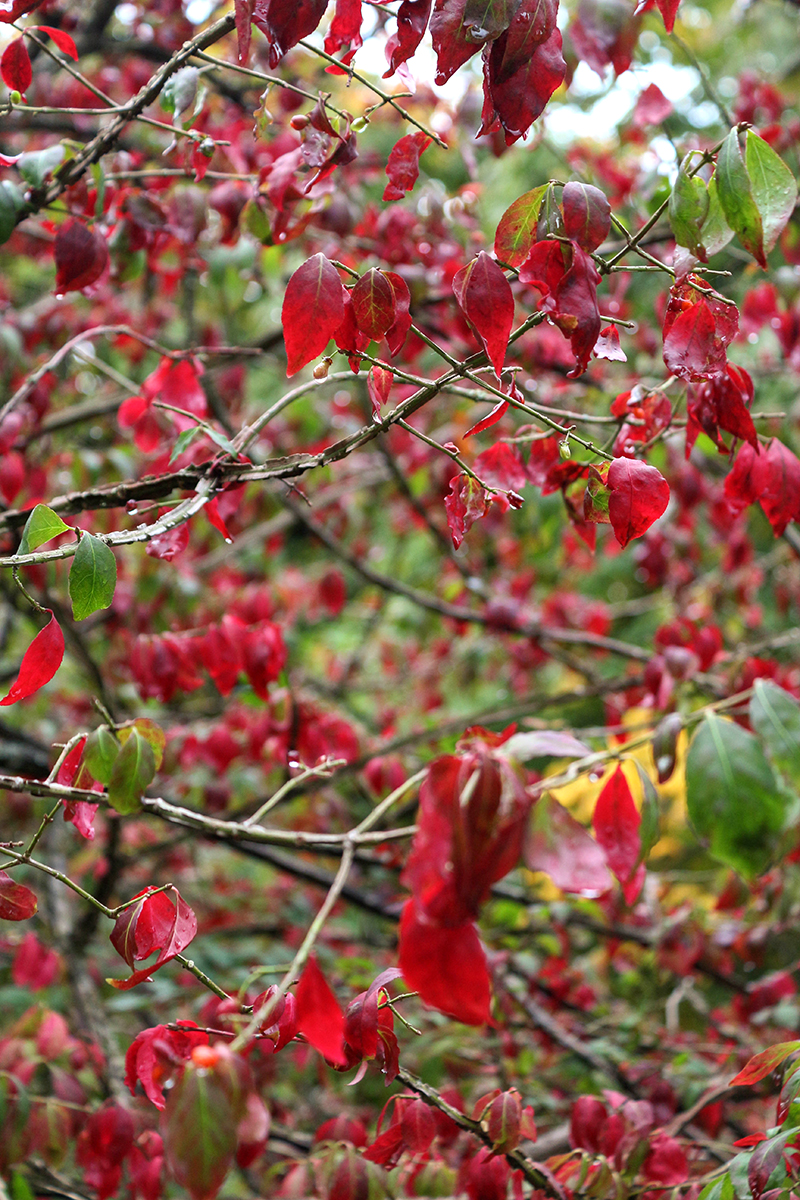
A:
<point x="42" y="525"/>
<point x="92" y="577"/>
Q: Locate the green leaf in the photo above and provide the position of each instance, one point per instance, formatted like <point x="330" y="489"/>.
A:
<point x="774" y="187"/>
<point x="92" y="577"/>
<point x="734" y="800"/>
<point x="131" y="774"/>
<point x="516" y="232"/>
<point x="199" y="1132"/>
<point x="180" y="91"/>
<point x="100" y="753"/>
<point x="153" y="734"/>
<point x="183" y="441"/>
<point x="220" y="439"/>
<point x="688" y="209"/>
<point x="12" y="203"/>
<point x="736" y="198"/>
<point x="716" y="233"/>
<point x="36" y="166"/>
<point x="649" y="830"/>
<point x="42" y="525"/>
<point x="775" y="716"/>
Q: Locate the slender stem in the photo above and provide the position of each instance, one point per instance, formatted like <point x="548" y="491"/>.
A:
<point x="319" y="772"/>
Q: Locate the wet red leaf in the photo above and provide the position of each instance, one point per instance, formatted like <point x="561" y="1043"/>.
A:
<point x="17" y="902"/>
<point x="373" y="300"/>
<point x="587" y="215"/>
<point x="465" y="503"/>
<point x="403" y="165"/>
<point x="155" y="922"/>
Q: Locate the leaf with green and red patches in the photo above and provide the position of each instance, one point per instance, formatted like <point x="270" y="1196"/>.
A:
<point x="517" y="230"/>
<point x="403" y="165"/>
<point x="763" y="1064"/>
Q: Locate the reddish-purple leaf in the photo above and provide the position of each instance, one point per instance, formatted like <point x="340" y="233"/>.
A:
<point x="501" y="466"/>
<point x="345" y="28"/>
<point x="533" y="22"/>
<point x="777" y="474"/>
<point x="558" y="844"/>
<point x="652" y="107"/>
<point x="763" y="1064"/>
<point x="417" y="1127"/>
<point x="639" y="495"/>
<point x="453" y="43"/>
<point x="764" y="1159"/>
<point x="589" y="1115"/>
<point x="464" y="504"/>
<point x="319" y="1017"/>
<point x="313" y="309"/>
<point x="16" y="8"/>
<point x="690" y="347"/>
<point x="397" y="334"/>
<point x="244" y="28"/>
<point x="666" y="1162"/>
<point x="513" y="102"/>
<point x="81" y="256"/>
<point x="742" y="484"/>
<point x="403" y="165"/>
<point x="379" y="385"/>
<point x="446" y="964"/>
<point x="587" y="215"/>
<point x="39" y="663"/>
<point x="575" y="310"/>
<point x="616" y="824"/>
<point x="605" y="32"/>
<point x="373" y="301"/>
<point x="484" y="296"/>
<point x="15" y="66"/>
<point x="412" y="21"/>
<point x="63" y="40"/>
<point x="668" y="10"/>
<point x="156" y="922"/>
<point x="285" y="22"/>
<point x="17" y="902"/>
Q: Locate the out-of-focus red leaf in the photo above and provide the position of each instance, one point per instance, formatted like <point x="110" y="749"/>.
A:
<point x="412" y="21"/>
<point x="403" y="165"/>
<point x="501" y="466"/>
<point x="761" y="1065"/>
<point x="319" y="1017"/>
<point x="379" y="385"/>
<point x="588" y="1117"/>
<point x="484" y="296"/>
<point x="605" y="32"/>
<point x="285" y="22"/>
<point x="15" y="66"/>
<point x="652" y="107"/>
<point x="513" y="102"/>
<point x="17" y="902"/>
<point x="62" y="39"/>
<point x="778" y="480"/>
<point x="313" y="309"/>
<point x="15" y="9"/>
<point x="533" y="22"/>
<point x="81" y="256"/>
<point x="373" y="301"/>
<point x="464" y="504"/>
<point x="170" y="544"/>
<point x="556" y="843"/>
<point x="722" y="402"/>
<point x="639" y="496"/>
<point x="345" y="28"/>
<point x="155" y="1052"/>
<point x="587" y="215"/>
<point x="446" y="965"/>
<point x="35" y="966"/>
<point x="668" y="10"/>
<point x="666" y="1161"/>
<point x="244" y="29"/>
<point x="39" y="663"/>
<point x="156" y="922"/>
<point x="616" y="824"/>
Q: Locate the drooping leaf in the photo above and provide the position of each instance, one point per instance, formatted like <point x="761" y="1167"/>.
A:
<point x="688" y="209"/>
<point x="773" y="187"/>
<point x="605" y="32"/>
<point x="533" y="23"/>
<point x="559" y="845"/>
<point x="763" y="1064"/>
<point x="464" y="504"/>
<point x="733" y="798"/>
<point x="516" y="231"/>
<point x="42" y="525"/>
<point x="17" y="902"/>
<point x="412" y="21"/>
<point x="652" y="107"/>
<point x="158" y="921"/>
<point x="313" y="309"/>
<point x="639" y="496"/>
<point x="587" y="215"/>
<point x="398" y="332"/>
<point x="92" y="577"/>
<point x="775" y="716"/>
<point x="62" y="39"/>
<point x="373" y="301"/>
<point x="767" y="1155"/>
<point x="319" y="1016"/>
<point x="285" y="22"/>
<point x="736" y="197"/>
<point x="15" y="66"/>
<point x="575" y="309"/>
<point x="402" y="167"/>
<point x="716" y="233"/>
<point x="669" y="11"/>
<point x="616" y="823"/>
<point x="12" y="203"/>
<point x="81" y="256"/>
<point x="39" y="663"/>
<point x="453" y="42"/>
<point x="100" y="754"/>
<point x="778" y="480"/>
<point x="514" y="101"/>
<point x="485" y="298"/>
<point x="690" y="346"/>
<point x="133" y="771"/>
<point x="446" y="965"/>
<point x="199" y="1130"/>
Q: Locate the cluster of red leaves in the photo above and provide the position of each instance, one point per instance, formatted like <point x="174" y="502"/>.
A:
<point x="174" y="383"/>
<point x="626" y="1132"/>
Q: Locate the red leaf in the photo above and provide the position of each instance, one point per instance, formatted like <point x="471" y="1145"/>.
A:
<point x="575" y="308"/>
<point x="484" y="296"/>
<point x="533" y="23"/>
<point x="777" y="474"/>
<point x="319" y="1017"/>
<point x="652" y="107"/>
<point x="18" y="8"/>
<point x="690" y="349"/>
<point x="446" y="965"/>
<point x="15" y="66"/>
<point x="403" y="165"/>
<point x="515" y="101"/>
<point x="490" y="419"/>
<point x="589" y="1115"/>
<point x="373" y="300"/>
<point x="285" y="22"/>
<point x="639" y="495"/>
<point x="313" y="309"/>
<point x="63" y="40"/>
<point x="668" y="10"/>
<point x="39" y="663"/>
<point x="616" y="824"/>
<point x="558" y="844"/>
<point x="34" y="966"/>
<point x="155" y="1051"/>
<point x="587" y="215"/>
<point x="214" y="518"/>
<point x="501" y="466"/>
<point x="170" y="544"/>
<point x="763" y="1064"/>
<point x="244" y="29"/>
<point x="155" y="923"/>
<point x="605" y="32"/>
<point x="544" y="267"/>
<point x="666" y="1161"/>
<point x="464" y="504"/>
<point x="397" y="334"/>
<point x="743" y="484"/>
<point x="17" y="902"/>
<point x="452" y="40"/>
<point x="379" y="385"/>
<point x="417" y="1127"/>
<point x="345" y="28"/>
<point x="412" y="21"/>
<point x="81" y="256"/>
